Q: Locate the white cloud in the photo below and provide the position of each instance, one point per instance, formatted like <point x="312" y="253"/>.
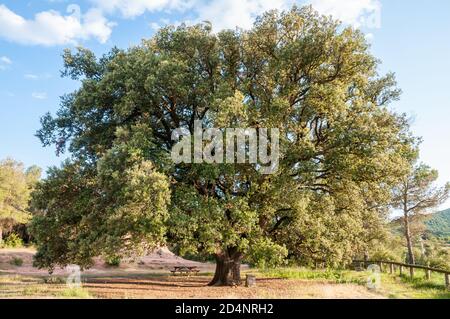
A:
<point x="52" y="28"/>
<point x="225" y="14"/>
<point x="7" y="93"/>
<point x="155" y="26"/>
<point x="359" y="13"/>
<point x="31" y="76"/>
<point x="134" y="8"/>
<point x="369" y="37"/>
<point x="39" y="95"/>
<point x="4" y="62"/>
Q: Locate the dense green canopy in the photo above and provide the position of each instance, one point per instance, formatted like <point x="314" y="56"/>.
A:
<point x="341" y="148"/>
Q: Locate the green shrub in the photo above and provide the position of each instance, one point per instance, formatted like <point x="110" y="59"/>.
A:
<point x="17" y="261"/>
<point x="13" y="241"/>
<point x="439" y="262"/>
<point x="113" y="261"/>
<point x="54" y="280"/>
<point x="384" y="254"/>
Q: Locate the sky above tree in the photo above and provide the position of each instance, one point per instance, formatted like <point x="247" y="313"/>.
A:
<point x="410" y="37"/>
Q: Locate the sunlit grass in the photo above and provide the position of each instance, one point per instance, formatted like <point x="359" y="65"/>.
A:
<point x="338" y="276"/>
<point x="392" y="286"/>
<point x="76" y="293"/>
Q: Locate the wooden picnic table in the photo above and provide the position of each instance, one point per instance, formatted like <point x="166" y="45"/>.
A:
<point x="187" y="270"/>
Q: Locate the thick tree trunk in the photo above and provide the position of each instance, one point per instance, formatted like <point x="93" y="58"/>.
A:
<point x="228" y="269"/>
<point x="236" y="270"/>
<point x="222" y="270"/>
<point x="411" y="259"/>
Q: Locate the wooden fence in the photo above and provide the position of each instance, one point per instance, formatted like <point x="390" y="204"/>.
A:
<point x="393" y="266"/>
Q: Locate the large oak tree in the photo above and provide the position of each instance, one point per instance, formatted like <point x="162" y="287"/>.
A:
<point x="341" y="148"/>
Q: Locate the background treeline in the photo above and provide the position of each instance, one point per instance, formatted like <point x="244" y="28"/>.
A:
<point x="16" y="185"/>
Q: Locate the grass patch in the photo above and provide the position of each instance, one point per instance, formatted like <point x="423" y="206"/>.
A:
<point x="420" y="287"/>
<point x="333" y="275"/>
<point x="5" y="279"/>
<point x="35" y="290"/>
<point x="403" y="287"/>
<point x="76" y="293"/>
<point x="391" y="286"/>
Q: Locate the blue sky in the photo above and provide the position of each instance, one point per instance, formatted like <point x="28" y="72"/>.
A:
<point x="412" y="38"/>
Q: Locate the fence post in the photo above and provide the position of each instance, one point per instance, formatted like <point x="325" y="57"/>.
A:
<point x="381" y="266"/>
<point x="428" y="274"/>
<point x="411" y="272"/>
<point x="401" y="270"/>
<point x="447" y="281"/>
<point x="391" y="269"/>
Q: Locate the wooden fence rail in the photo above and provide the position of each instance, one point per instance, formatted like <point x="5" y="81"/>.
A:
<point x="401" y="266"/>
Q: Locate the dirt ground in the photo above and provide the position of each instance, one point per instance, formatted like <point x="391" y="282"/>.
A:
<point x="156" y="286"/>
<point x="162" y="260"/>
<point x="170" y="287"/>
<point x="149" y="277"/>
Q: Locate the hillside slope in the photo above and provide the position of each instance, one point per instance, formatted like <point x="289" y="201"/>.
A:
<point x="439" y="224"/>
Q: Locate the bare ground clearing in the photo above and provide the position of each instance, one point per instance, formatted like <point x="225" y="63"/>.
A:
<point x="148" y="277"/>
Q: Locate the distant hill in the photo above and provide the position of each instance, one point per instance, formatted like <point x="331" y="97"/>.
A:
<point x="439" y="224"/>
